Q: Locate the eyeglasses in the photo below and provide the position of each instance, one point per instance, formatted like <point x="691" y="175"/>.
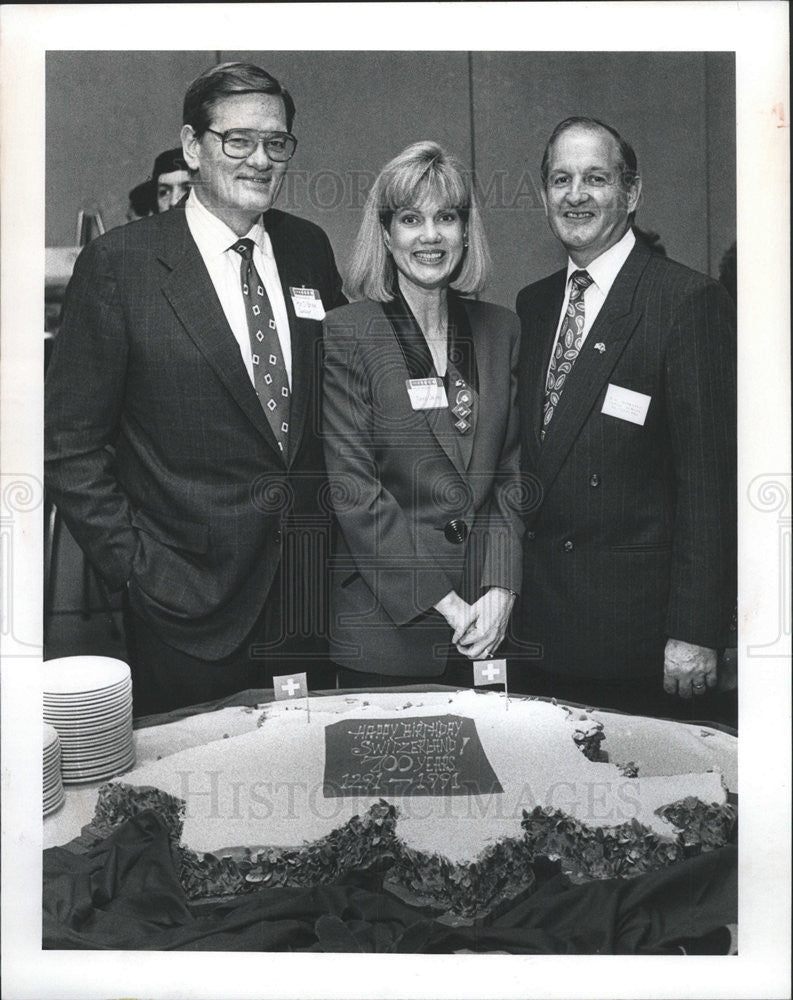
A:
<point x="240" y="143"/>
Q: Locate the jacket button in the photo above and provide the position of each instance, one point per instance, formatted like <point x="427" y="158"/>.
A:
<point x="277" y="536"/>
<point x="531" y="535"/>
<point x="594" y="479"/>
<point x="456" y="531"/>
<point x="568" y="546"/>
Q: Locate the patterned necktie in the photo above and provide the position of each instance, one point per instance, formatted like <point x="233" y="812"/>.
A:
<point x="567" y="346"/>
<point x="269" y="371"/>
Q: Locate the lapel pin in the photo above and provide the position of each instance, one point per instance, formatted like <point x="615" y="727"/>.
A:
<point x="600" y="346"/>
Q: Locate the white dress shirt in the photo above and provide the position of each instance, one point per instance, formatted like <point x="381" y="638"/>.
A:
<point x="215" y="243"/>
<point x="603" y="271"/>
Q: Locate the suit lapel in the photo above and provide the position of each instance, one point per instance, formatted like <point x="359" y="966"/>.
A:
<point x="537" y="357"/>
<point x="611" y="331"/>
<point x="418" y="364"/>
<point x="192" y="295"/>
<point x="464" y="355"/>
<point x="487" y="369"/>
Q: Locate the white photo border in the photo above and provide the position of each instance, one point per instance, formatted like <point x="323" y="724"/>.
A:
<point x="758" y="34"/>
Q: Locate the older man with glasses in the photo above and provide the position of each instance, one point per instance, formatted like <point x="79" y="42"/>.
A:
<point x="189" y="344"/>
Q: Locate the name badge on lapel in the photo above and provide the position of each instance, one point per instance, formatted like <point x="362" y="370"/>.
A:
<point x="625" y="404"/>
<point x="426" y="393"/>
<point x="307" y="303"/>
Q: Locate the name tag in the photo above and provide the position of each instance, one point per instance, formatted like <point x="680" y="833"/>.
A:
<point x="625" y="404"/>
<point x="426" y="393"/>
<point x="307" y="303"/>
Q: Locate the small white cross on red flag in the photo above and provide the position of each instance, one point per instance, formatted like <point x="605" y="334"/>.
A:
<point x="290" y="686"/>
<point x="490" y="672"/>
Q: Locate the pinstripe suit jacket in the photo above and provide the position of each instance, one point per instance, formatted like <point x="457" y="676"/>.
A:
<point x="398" y="476"/>
<point x="634" y="539"/>
<point x="157" y="451"/>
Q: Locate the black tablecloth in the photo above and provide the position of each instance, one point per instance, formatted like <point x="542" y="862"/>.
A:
<point x="125" y="894"/>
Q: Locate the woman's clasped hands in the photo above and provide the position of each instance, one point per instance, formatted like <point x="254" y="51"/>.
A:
<point x="478" y="629"/>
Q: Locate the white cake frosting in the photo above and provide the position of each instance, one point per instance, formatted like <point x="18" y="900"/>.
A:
<point x="265" y="787"/>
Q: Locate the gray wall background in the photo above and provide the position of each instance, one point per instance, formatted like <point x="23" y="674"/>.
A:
<point x="110" y="113"/>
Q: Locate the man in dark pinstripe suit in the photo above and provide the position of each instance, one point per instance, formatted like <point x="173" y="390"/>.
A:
<point x="628" y="422"/>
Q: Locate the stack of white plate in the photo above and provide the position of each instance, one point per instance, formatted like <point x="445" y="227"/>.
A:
<point x="88" y="699"/>
<point x="53" y="786"/>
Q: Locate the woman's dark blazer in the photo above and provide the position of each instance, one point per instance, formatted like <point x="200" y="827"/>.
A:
<point x="398" y="478"/>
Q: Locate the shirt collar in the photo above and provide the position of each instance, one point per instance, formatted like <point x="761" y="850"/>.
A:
<point x="604" y="269"/>
<point x="211" y="233"/>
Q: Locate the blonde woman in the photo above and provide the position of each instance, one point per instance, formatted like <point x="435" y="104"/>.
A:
<point x="420" y="436"/>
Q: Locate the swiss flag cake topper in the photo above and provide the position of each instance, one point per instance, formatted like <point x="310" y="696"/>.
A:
<point x="290" y="686"/>
<point x="490" y="672"/>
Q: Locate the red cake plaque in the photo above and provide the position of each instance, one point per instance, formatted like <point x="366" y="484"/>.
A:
<point x="434" y="755"/>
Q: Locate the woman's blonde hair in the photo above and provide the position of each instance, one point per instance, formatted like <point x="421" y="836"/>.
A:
<point x="421" y="172"/>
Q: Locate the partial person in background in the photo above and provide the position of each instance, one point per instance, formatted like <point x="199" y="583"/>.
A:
<point x="171" y="179"/>
<point x="142" y="201"/>
<point x="189" y="343"/>
<point x="627" y="402"/>
<point x="169" y="183"/>
<point x="421" y="436"/>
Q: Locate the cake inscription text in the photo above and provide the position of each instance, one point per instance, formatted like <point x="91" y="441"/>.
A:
<point x="437" y="755"/>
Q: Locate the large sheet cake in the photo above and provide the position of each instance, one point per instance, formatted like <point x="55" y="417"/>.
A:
<point x="268" y="787"/>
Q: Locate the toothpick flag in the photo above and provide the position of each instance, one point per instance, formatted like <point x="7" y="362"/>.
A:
<point x="491" y="672"/>
<point x="292" y="686"/>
